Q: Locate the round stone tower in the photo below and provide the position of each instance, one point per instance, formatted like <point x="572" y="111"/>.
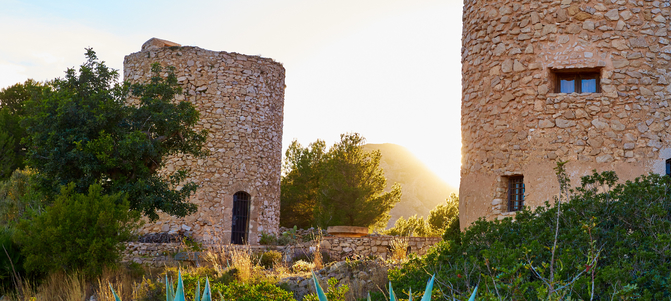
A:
<point x="583" y="81"/>
<point x="241" y="101"/>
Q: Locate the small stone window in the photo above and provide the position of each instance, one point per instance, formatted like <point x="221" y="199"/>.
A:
<point x="668" y="167"/>
<point x="515" y="193"/>
<point x="577" y="80"/>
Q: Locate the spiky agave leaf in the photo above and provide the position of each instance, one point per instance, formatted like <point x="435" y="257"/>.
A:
<point x="197" y="291"/>
<point x="116" y="297"/>
<point x="318" y="288"/>
<point x="179" y="293"/>
<point x="410" y="294"/>
<point x="429" y="288"/>
<point x="475" y="291"/>
<point x="207" y="294"/>
<point x="368" y="296"/>
<point x="169" y="291"/>
<point x="392" y="295"/>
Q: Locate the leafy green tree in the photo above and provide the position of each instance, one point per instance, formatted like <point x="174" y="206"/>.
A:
<point x="78" y="232"/>
<point x="12" y="109"/>
<point x="299" y="188"/>
<point x="344" y="186"/>
<point x="352" y="186"/>
<point x="84" y="131"/>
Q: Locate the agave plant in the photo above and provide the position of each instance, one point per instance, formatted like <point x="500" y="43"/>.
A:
<point x="177" y="294"/>
<point x="392" y="295"/>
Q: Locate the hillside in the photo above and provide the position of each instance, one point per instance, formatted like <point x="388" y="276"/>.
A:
<point x="422" y="189"/>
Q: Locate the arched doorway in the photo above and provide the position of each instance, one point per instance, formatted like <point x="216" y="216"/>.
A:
<point x="240" y="226"/>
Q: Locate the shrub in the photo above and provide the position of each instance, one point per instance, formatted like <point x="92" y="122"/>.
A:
<point x="333" y="292"/>
<point x="270" y="258"/>
<point x="11" y="263"/>
<point x="268" y="239"/>
<point x="610" y="238"/>
<point x="302" y="266"/>
<point x="78" y="232"/>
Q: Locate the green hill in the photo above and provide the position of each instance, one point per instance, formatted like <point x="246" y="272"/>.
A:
<point x="422" y="189"/>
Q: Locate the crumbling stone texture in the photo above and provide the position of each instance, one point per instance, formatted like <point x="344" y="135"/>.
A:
<point x="514" y="124"/>
<point x="241" y="103"/>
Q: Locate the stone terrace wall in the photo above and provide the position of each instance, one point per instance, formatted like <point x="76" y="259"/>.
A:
<point x="241" y="101"/>
<point x="159" y="254"/>
<point x="513" y="123"/>
<point x="350" y="247"/>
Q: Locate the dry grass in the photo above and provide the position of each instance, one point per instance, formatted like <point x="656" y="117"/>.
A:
<point x="399" y="249"/>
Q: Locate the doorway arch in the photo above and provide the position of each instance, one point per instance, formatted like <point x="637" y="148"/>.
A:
<point x="240" y="224"/>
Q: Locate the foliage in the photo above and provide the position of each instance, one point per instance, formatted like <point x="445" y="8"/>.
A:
<point x="624" y="226"/>
<point x="12" y="110"/>
<point x="19" y="196"/>
<point x="442" y="218"/>
<point x="413" y="226"/>
<point x="270" y="258"/>
<point x="78" y="232"/>
<point x="267" y="239"/>
<point x="302" y="266"/>
<point x="11" y="260"/>
<point x="262" y="290"/>
<point x="333" y="291"/>
<point x="83" y="130"/>
<point x="301" y="173"/>
<point x="344" y="186"/>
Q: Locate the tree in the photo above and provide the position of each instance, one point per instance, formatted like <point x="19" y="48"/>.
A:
<point x="83" y="130"/>
<point x="299" y="189"/>
<point x="12" y="109"/>
<point x="344" y="186"/>
<point x="352" y="186"/>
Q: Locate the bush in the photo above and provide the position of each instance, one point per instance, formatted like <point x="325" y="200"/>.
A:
<point x="617" y="235"/>
<point x="12" y="261"/>
<point x="236" y="290"/>
<point x="270" y="258"/>
<point x="78" y="232"/>
<point x="19" y="195"/>
<point x="302" y="266"/>
<point x="333" y="292"/>
<point x="268" y="239"/>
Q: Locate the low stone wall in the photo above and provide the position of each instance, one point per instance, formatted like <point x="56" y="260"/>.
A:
<point x="349" y="247"/>
<point x="160" y="254"/>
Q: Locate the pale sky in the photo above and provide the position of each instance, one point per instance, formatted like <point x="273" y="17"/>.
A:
<point x="388" y="69"/>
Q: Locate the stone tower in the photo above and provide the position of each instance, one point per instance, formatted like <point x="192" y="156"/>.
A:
<point x="584" y="81"/>
<point x="241" y="101"/>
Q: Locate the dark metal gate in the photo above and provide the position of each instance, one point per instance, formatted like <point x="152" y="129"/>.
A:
<point x="240" y="218"/>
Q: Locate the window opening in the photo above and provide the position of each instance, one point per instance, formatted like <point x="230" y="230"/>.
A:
<point x="515" y="193"/>
<point x="577" y="80"/>
<point x="240" y="227"/>
<point x="668" y="167"/>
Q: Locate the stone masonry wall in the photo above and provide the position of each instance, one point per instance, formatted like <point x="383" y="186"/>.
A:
<point x="241" y="101"/>
<point x="350" y="247"/>
<point x="159" y="254"/>
<point x="514" y="124"/>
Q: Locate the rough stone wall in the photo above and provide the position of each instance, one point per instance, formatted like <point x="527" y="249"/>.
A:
<point x="349" y="247"/>
<point x="241" y="101"/>
<point x="339" y="248"/>
<point x="513" y="123"/>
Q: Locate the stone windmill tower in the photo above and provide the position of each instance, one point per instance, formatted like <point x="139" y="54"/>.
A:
<point x="241" y="102"/>
<point x="584" y="81"/>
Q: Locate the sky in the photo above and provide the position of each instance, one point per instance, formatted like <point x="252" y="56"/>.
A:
<point x="387" y="69"/>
